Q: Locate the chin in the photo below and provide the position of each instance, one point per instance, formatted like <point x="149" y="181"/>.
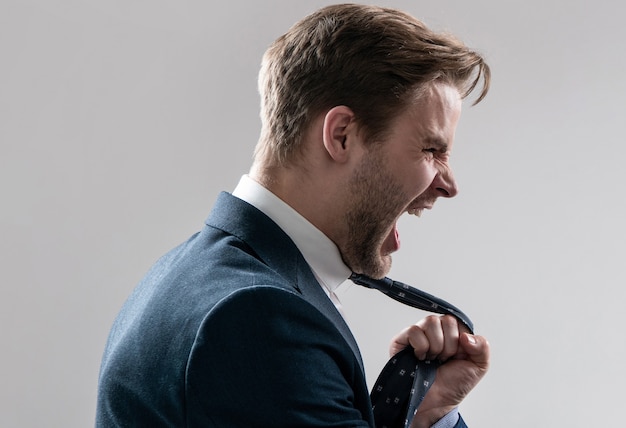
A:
<point x="378" y="268"/>
<point x="385" y="266"/>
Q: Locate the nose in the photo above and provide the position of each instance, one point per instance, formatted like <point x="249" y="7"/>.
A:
<point x="445" y="184"/>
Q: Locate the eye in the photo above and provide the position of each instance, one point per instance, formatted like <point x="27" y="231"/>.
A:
<point x="432" y="151"/>
<point x="437" y="153"/>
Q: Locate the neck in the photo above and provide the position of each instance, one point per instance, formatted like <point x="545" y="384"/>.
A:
<point x="302" y="189"/>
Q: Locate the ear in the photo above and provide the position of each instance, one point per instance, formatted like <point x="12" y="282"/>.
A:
<point x="338" y="132"/>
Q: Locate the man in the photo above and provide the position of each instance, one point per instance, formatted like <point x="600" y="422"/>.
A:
<point x="239" y="326"/>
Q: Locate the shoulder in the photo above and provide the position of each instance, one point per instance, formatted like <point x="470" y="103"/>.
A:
<point x="271" y="352"/>
<point x="258" y="312"/>
<point x="272" y="328"/>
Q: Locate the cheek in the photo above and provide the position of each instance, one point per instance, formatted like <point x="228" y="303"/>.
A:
<point x="422" y="177"/>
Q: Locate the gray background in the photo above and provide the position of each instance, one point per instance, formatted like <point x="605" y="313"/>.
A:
<point x="121" y="120"/>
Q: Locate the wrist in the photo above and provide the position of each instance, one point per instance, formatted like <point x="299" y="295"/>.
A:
<point x="426" y="418"/>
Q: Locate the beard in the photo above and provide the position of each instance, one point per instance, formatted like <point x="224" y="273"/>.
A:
<point x="376" y="200"/>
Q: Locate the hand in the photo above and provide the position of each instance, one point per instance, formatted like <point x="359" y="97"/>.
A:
<point x="466" y="358"/>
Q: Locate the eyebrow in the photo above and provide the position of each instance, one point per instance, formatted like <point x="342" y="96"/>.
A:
<point x="439" y="142"/>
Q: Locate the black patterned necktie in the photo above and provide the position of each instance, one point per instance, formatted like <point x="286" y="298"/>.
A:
<point x="405" y="380"/>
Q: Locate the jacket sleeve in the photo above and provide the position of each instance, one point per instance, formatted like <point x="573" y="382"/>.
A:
<point x="266" y="357"/>
<point x="460" y="423"/>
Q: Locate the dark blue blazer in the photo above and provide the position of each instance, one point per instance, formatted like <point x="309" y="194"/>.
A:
<point x="231" y="329"/>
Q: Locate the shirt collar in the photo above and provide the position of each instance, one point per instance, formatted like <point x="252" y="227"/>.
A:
<point x="318" y="250"/>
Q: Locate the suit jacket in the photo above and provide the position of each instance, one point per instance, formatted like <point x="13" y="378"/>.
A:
<point x="231" y="329"/>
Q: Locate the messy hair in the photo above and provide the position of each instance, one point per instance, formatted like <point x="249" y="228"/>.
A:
<point x="368" y="58"/>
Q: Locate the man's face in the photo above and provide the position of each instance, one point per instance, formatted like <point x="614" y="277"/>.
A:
<point x="405" y="173"/>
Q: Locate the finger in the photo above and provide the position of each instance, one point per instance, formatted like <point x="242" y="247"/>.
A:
<point x="477" y="349"/>
<point x="399" y="342"/>
<point x="433" y="329"/>
<point x="411" y="336"/>
<point x="434" y="337"/>
<point x="451" y="333"/>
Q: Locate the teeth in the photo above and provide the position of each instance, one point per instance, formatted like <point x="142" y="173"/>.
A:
<point x="415" y="211"/>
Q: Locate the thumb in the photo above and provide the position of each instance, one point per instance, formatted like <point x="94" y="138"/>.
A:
<point x="477" y="349"/>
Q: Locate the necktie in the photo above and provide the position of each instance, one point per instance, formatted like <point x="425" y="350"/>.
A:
<point x="404" y="381"/>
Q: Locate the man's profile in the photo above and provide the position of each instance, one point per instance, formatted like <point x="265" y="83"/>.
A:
<point x="239" y="326"/>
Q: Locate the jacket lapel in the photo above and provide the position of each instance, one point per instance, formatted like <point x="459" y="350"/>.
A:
<point x="312" y="291"/>
<point x="278" y="251"/>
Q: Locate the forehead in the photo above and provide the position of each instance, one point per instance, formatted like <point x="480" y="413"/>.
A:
<point x="431" y="114"/>
<point x="436" y="99"/>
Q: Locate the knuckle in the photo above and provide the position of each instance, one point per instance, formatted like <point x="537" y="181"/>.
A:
<point x="449" y="321"/>
<point x="430" y="321"/>
<point x="414" y="330"/>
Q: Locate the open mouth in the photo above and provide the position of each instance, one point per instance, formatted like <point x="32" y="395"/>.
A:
<point x="392" y="241"/>
<point x="415" y="211"/>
